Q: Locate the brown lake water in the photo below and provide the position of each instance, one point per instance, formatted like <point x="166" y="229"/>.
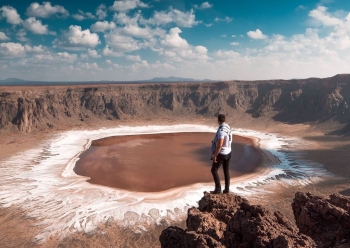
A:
<point x="159" y="162"/>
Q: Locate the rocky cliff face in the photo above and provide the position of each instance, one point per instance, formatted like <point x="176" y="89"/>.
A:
<point x="227" y="220"/>
<point x="327" y="221"/>
<point x="294" y="101"/>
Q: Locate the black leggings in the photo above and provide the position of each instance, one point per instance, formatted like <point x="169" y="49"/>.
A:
<point x="223" y="160"/>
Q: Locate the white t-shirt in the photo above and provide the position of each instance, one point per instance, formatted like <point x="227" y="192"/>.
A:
<point x="224" y="132"/>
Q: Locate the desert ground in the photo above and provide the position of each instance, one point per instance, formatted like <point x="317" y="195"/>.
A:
<point x="319" y="148"/>
<point x="329" y="150"/>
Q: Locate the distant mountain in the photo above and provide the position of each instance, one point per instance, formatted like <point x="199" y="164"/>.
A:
<point x="21" y="82"/>
<point x="176" y="79"/>
<point x="12" y="80"/>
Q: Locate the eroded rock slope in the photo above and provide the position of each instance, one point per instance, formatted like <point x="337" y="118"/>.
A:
<point x="327" y="221"/>
<point x="28" y="109"/>
<point x="227" y="220"/>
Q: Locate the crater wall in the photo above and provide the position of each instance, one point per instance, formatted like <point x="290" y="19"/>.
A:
<point x="31" y="109"/>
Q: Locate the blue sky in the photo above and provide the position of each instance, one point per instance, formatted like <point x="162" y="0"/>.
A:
<point x="136" y="39"/>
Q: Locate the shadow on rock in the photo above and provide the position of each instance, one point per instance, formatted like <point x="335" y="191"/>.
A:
<point x="228" y="220"/>
<point x="327" y="221"/>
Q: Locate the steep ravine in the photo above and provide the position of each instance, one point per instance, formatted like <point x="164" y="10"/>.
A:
<point x="29" y="109"/>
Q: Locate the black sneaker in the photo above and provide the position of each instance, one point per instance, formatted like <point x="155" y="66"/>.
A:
<point x="226" y="191"/>
<point x="217" y="191"/>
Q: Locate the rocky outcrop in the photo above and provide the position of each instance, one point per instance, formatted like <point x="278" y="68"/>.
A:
<point x="227" y="220"/>
<point x="327" y="221"/>
<point x="33" y="108"/>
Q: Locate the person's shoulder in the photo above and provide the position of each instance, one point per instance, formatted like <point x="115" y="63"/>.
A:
<point x="222" y="132"/>
<point x="226" y="126"/>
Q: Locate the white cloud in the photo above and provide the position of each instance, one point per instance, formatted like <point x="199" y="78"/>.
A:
<point x="257" y="35"/>
<point x="84" y="56"/>
<point x="117" y="66"/>
<point x="129" y="36"/>
<point x="234" y="43"/>
<point x="317" y="52"/>
<point x="181" y="19"/>
<point x="88" y="66"/>
<point x="177" y="49"/>
<point x="3" y="36"/>
<point x="36" y="57"/>
<point x="170" y="54"/>
<point x="13" y="50"/>
<point x="208" y="24"/>
<point x="223" y="36"/>
<point x="201" y="49"/>
<point x="301" y="7"/>
<point x="299" y="56"/>
<point x="35" y="26"/>
<point x="110" y="53"/>
<point x="46" y="10"/>
<point x="123" y="18"/>
<point x="93" y="53"/>
<point x="138" y="32"/>
<point x="323" y="17"/>
<point x="337" y="41"/>
<point x="121" y="43"/>
<point x="226" y="19"/>
<point x="79" y="17"/>
<point x="204" y="5"/>
<point x="197" y="53"/>
<point x="66" y="57"/>
<point x="226" y="54"/>
<point x="132" y="37"/>
<point x="134" y="58"/>
<point x="126" y="5"/>
<point x="101" y="12"/>
<point x="83" y="15"/>
<point x="21" y="35"/>
<point x="233" y="36"/>
<point x="11" y="15"/>
<point x="174" y="40"/>
<point x="102" y="26"/>
<point x="55" y="58"/>
<point x="35" y="49"/>
<point x="137" y="65"/>
<point x="77" y="38"/>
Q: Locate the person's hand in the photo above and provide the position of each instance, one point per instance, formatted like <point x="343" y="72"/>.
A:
<point x="214" y="158"/>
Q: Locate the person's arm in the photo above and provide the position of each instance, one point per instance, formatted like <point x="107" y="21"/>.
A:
<point x="218" y="149"/>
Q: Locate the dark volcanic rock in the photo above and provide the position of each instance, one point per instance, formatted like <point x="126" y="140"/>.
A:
<point x="327" y="221"/>
<point x="227" y="220"/>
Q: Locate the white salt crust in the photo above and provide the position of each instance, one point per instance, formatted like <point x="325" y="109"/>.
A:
<point x="43" y="183"/>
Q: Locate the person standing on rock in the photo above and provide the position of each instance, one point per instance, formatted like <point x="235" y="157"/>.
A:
<point x="221" y="154"/>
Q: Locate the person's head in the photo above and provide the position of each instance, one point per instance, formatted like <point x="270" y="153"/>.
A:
<point x="221" y="118"/>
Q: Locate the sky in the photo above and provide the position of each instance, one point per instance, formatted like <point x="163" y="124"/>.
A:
<point x="138" y="39"/>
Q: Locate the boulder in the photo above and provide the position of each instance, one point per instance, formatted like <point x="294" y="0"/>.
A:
<point x="325" y="220"/>
<point x="228" y="220"/>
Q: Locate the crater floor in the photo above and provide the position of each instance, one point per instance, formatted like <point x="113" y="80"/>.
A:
<point x="158" y="162"/>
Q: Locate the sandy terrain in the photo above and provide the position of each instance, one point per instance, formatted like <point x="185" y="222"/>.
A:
<point x="43" y="129"/>
<point x="329" y="150"/>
